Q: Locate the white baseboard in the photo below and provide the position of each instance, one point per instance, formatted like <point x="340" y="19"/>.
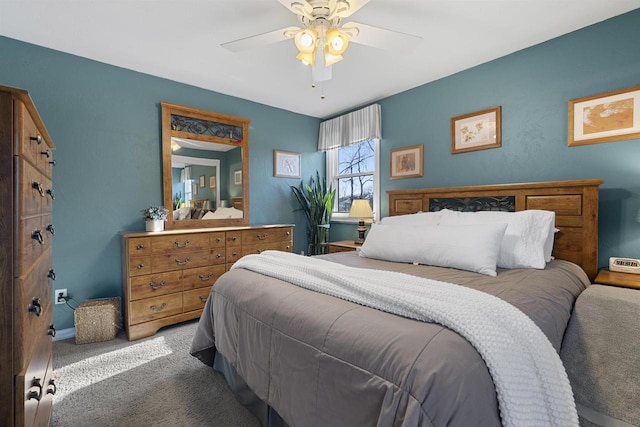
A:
<point x="64" y="334"/>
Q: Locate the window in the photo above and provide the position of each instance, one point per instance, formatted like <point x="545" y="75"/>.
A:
<point x="353" y="172"/>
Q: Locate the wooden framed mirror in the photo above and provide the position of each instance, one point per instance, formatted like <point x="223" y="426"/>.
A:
<point x="205" y="168"/>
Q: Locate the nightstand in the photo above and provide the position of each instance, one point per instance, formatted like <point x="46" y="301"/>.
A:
<point x="616" y="278"/>
<point x="343" y="246"/>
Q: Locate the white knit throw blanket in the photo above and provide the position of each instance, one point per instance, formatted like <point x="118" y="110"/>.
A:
<point x="530" y="380"/>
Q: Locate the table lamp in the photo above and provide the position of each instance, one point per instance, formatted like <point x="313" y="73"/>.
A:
<point x="360" y="208"/>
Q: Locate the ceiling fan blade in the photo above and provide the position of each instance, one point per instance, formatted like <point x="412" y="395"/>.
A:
<point x="260" y="39"/>
<point x="381" y="38"/>
<point x="349" y="7"/>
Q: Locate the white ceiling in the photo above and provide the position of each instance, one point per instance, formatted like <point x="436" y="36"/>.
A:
<point x="180" y="40"/>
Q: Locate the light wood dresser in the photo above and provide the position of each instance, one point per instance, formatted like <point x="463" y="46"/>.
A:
<point x="26" y="272"/>
<point x="167" y="275"/>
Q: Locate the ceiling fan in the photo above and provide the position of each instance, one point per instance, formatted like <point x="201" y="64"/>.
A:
<point x="323" y="37"/>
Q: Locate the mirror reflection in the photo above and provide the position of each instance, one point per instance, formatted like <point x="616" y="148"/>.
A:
<point x="205" y="180"/>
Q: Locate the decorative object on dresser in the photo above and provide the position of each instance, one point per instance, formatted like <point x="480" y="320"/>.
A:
<point x="26" y="270"/>
<point x="154" y="217"/>
<point x="361" y="209"/>
<point x="167" y="276"/>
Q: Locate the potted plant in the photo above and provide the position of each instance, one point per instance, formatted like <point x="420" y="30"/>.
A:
<point x="316" y="202"/>
<point x="155" y="216"/>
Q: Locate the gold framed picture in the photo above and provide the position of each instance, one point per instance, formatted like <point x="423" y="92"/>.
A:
<point x="479" y="130"/>
<point x="607" y="117"/>
<point x="406" y="162"/>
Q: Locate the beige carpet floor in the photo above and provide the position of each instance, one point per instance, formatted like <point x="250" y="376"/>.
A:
<point x="150" y="382"/>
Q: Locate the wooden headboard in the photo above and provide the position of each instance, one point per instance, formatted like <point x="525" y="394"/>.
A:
<point x="574" y="202"/>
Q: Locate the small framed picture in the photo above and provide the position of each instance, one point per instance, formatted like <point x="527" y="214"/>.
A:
<point x="607" y="117"/>
<point x="201" y="181"/>
<point x="237" y="177"/>
<point x="212" y="182"/>
<point x="286" y="164"/>
<point x="406" y="162"/>
<point x="476" y="131"/>
<point x="194" y="189"/>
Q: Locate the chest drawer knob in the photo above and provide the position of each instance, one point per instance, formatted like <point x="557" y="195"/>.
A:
<point x="217" y="240"/>
<point x="37" y="236"/>
<point x="157" y="309"/>
<point x="140" y="246"/>
<point x="185" y="262"/>
<point x="205" y="278"/>
<point x="181" y="245"/>
<point x="263" y="236"/>
<point x="141" y="265"/>
<point x="202" y="299"/>
<point x="155" y="286"/>
<point x="38" y="187"/>
<point x="37" y="138"/>
<point x="46" y="153"/>
<point x="52" y="162"/>
<point x="51" y="388"/>
<point x="218" y="255"/>
<point x="35" y="307"/>
<point x="51" y="193"/>
<point x="51" y="274"/>
<point x="50" y="229"/>
<point x="34" y="395"/>
<point x="52" y="330"/>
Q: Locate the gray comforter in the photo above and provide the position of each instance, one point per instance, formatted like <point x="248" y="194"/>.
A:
<point x="319" y="361"/>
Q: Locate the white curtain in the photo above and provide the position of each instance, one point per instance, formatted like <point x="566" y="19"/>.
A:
<point x="351" y="128"/>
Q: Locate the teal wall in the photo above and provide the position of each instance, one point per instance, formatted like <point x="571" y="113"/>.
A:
<point x="533" y="87"/>
<point x="105" y="122"/>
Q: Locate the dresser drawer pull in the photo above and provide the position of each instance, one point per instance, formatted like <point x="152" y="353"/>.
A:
<point x="154" y="286"/>
<point x="52" y="383"/>
<point x="234" y="238"/>
<point x="156" y="309"/>
<point x="202" y="299"/>
<point x="52" y="162"/>
<point x="51" y="193"/>
<point x="37" y="138"/>
<point x="46" y="153"/>
<point x="141" y="265"/>
<point x="35" y="307"/>
<point x="263" y="237"/>
<point x="185" y="262"/>
<point x="234" y="254"/>
<point x="50" y="229"/>
<point x="140" y="246"/>
<point x="52" y="330"/>
<point x="217" y="240"/>
<point x="51" y="274"/>
<point x="287" y="233"/>
<point x="37" y="186"/>
<point x="218" y="255"/>
<point x="178" y="245"/>
<point x="288" y="247"/>
<point x="205" y="278"/>
<point x="37" y="235"/>
<point x="36" y="382"/>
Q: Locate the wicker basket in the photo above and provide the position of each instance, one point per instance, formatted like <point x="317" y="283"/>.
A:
<point x="97" y="320"/>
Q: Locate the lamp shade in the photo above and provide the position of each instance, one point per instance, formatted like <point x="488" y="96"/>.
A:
<point x="306" y="39"/>
<point x="337" y="42"/>
<point x="360" y="208"/>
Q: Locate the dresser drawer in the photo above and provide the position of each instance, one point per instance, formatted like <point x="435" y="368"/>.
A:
<point x="234" y="253"/>
<point x="155" y="308"/>
<point x="179" y="261"/>
<point x="265" y="235"/>
<point x="217" y="240"/>
<point x="180" y="243"/>
<point x="153" y="285"/>
<point x="32" y="384"/>
<point x="256" y="249"/>
<point x="233" y="238"/>
<point x="30" y="140"/>
<point x="139" y="246"/>
<point x="139" y="265"/>
<point x="31" y="243"/>
<point x="194" y="278"/>
<point x="32" y="188"/>
<point x="195" y="299"/>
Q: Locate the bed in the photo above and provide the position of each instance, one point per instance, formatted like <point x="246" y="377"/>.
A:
<point x="301" y="358"/>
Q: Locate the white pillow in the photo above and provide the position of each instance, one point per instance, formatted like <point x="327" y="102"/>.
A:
<point x="528" y="240"/>
<point x="473" y="248"/>
<point x="420" y="218"/>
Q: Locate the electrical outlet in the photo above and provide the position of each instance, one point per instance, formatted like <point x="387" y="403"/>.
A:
<point x="60" y="296"/>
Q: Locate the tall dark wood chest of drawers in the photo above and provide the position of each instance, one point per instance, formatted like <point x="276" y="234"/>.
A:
<point x="26" y="272"/>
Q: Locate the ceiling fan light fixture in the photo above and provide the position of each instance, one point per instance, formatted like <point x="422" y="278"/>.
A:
<point x="330" y="59"/>
<point x="306" y="40"/>
<point x="337" y="42"/>
<point x="307" y="58"/>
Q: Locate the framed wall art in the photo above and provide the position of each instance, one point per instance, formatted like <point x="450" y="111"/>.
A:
<point x="476" y="131"/>
<point x="607" y="117"/>
<point x="212" y="182"/>
<point x="286" y="164"/>
<point x="201" y="181"/>
<point x="406" y="162"/>
<point x="237" y="177"/>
